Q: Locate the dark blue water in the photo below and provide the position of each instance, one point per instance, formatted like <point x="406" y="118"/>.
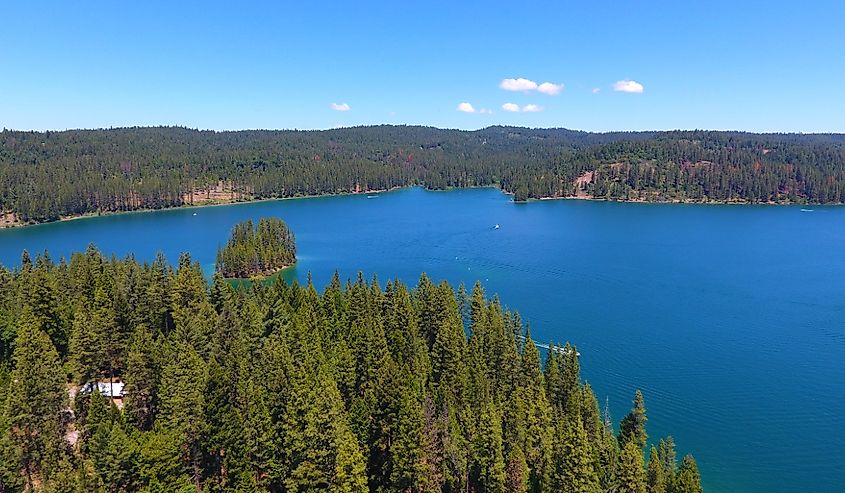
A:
<point x="730" y="318"/>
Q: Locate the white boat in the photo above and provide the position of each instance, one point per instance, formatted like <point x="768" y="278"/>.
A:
<point x="496" y="227"/>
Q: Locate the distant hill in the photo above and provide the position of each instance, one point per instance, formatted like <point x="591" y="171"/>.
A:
<point x="47" y="175"/>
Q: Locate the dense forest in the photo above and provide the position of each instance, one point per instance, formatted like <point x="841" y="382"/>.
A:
<point x="280" y="388"/>
<point x="47" y="175"/>
<point x="257" y="250"/>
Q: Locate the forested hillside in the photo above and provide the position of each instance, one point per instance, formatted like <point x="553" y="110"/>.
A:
<point x="257" y="250"/>
<point x="281" y="388"/>
<point x="47" y="175"/>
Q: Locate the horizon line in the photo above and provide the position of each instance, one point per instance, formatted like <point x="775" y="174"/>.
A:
<point x="413" y="125"/>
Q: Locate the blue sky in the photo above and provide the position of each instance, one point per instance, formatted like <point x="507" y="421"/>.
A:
<point x="758" y="66"/>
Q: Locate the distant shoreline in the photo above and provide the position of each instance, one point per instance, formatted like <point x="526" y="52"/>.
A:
<point x="89" y="215"/>
<point x="257" y="278"/>
<point x="16" y="224"/>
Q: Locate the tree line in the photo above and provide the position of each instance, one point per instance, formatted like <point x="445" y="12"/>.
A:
<point x="257" y="250"/>
<point x="47" y="175"/>
<point x="283" y="388"/>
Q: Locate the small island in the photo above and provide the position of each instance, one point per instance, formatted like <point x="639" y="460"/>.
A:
<point x="257" y="251"/>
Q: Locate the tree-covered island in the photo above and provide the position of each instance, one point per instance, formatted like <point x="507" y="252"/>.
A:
<point x="257" y="250"/>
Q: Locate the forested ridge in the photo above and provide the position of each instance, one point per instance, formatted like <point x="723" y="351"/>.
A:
<point x="257" y="250"/>
<point x="281" y="388"/>
<point x="47" y="175"/>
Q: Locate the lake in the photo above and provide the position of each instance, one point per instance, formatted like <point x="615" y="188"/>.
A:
<point x="731" y="319"/>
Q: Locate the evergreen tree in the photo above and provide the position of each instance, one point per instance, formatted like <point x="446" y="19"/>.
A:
<point x="278" y="388"/>
<point x="409" y="461"/>
<point x="86" y="345"/>
<point x="574" y="463"/>
<point x="42" y="300"/>
<point x="632" y="427"/>
<point x="656" y="474"/>
<point x="182" y="401"/>
<point x="35" y="402"/>
<point x="688" y="479"/>
<point x="517" y="473"/>
<point x="668" y="460"/>
<point x="141" y="379"/>
<point x="488" y="458"/>
<point x="630" y="475"/>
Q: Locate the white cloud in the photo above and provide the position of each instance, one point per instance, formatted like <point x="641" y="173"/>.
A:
<point x="341" y="107"/>
<point x="550" y="89"/>
<point x="519" y="84"/>
<point x="628" y="86"/>
<point x="486" y="111"/>
<point x="528" y="108"/>
<point x="596" y="90"/>
<point x="466" y="108"/>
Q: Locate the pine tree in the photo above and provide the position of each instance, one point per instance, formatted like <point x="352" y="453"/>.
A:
<point x="141" y="379"/>
<point x="162" y="467"/>
<point x="688" y="479"/>
<point x="43" y="301"/>
<point x="112" y="337"/>
<point x="573" y="459"/>
<point x="114" y="457"/>
<point x="656" y="475"/>
<point x="630" y="475"/>
<point x="36" y="399"/>
<point x="632" y="427"/>
<point x="538" y="418"/>
<point x="668" y="460"/>
<point x="408" y="468"/>
<point x="87" y="345"/>
<point x="517" y="473"/>
<point x="489" y="462"/>
<point x="277" y="388"/>
<point x="182" y="402"/>
<point x="321" y="450"/>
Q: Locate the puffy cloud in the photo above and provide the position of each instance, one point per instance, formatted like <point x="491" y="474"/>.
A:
<point x="528" y="108"/>
<point x="519" y="84"/>
<point x="341" y="107"/>
<point x="628" y="86"/>
<point x="527" y="85"/>
<point x="596" y="90"/>
<point x="550" y="89"/>
<point x="466" y="108"/>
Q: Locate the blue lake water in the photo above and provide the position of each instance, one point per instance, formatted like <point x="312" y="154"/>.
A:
<point x="731" y="319"/>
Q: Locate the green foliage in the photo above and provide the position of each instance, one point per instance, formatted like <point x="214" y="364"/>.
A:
<point x="630" y="475"/>
<point x="632" y="427"/>
<point x="688" y="479"/>
<point x="47" y="175"/>
<point x="656" y="474"/>
<point x="279" y="388"/>
<point x="260" y="250"/>
<point x="36" y="399"/>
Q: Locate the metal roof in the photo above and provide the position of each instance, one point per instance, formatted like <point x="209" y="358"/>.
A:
<point x="105" y="388"/>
